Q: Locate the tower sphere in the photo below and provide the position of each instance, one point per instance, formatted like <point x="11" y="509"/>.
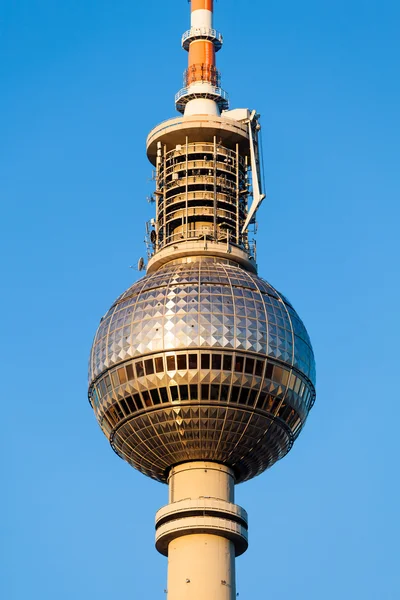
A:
<point x="201" y="360"/>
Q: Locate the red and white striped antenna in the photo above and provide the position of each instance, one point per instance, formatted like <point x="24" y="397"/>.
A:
<point x="202" y="92"/>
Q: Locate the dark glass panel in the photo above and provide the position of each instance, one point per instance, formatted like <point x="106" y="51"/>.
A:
<point x="138" y="401"/>
<point x="243" y="395"/>
<point x="214" y="392"/>
<point x="129" y="401"/>
<point x="146" y="398"/>
<point x="184" y="391"/>
<point x="249" y="366"/>
<point x="252" y="397"/>
<point x="164" y="394"/>
<point x="239" y="360"/>
<point x="124" y="407"/>
<point x="154" y="396"/>
<point x="171" y="363"/>
<point x="235" y="393"/>
<point x="259" y="368"/>
<point x="174" y="392"/>
<point x="205" y="391"/>
<point x="192" y="361"/>
<point x="216" y="361"/>
<point x="112" y="417"/>
<point x="269" y="371"/>
<point x="205" y="361"/>
<point x="227" y="362"/>
<point x="129" y="372"/>
<point x="224" y="393"/>
<point x="194" y="392"/>
<point x="182" y="361"/>
<point x="139" y="369"/>
<point x="261" y="400"/>
<point x="118" y="411"/>
<point x="159" y="364"/>
<point x="149" y="367"/>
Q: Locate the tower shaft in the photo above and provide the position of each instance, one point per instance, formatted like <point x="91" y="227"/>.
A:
<point x="201" y="530"/>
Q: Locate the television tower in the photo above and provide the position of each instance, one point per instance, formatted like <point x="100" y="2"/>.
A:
<point x="202" y="374"/>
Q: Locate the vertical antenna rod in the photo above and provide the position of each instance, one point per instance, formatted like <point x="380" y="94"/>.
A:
<point x="202" y="93"/>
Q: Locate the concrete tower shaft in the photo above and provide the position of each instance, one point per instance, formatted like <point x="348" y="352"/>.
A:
<point x="201" y="531"/>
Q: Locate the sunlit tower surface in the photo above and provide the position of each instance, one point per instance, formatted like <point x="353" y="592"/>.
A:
<point x="202" y="374"/>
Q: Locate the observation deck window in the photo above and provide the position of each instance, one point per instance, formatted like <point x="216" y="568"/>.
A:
<point x="216" y="361"/>
<point x="184" y="391"/>
<point x="149" y="366"/>
<point x="192" y="361"/>
<point x="227" y="362"/>
<point x="182" y="361"/>
<point x="239" y="362"/>
<point x="249" y="366"/>
<point x="159" y="364"/>
<point x="194" y="392"/>
<point x="205" y="361"/>
<point x="171" y="366"/>
<point x="154" y="396"/>
<point x="129" y="372"/>
<point x="139" y="369"/>
<point x="205" y="391"/>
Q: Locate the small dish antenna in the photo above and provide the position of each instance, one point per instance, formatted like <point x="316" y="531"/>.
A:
<point x="140" y="265"/>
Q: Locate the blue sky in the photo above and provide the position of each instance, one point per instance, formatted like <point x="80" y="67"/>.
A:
<point x="82" y="83"/>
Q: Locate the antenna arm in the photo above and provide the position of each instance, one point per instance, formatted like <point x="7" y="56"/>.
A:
<point x="258" y="197"/>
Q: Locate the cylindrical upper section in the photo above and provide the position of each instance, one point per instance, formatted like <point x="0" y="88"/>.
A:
<point x="202" y="13"/>
<point x="200" y="567"/>
<point x="201" y="478"/>
<point x="201" y="495"/>
<point x="201" y="93"/>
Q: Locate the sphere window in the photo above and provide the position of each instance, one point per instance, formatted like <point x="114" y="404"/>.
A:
<point x="192" y="361"/>
<point x="174" y="391"/>
<point x="216" y="361"/>
<point x="154" y="396"/>
<point x="205" y="391"/>
<point x="227" y="362"/>
<point x="125" y="407"/>
<point x="129" y="372"/>
<point x="183" y="389"/>
<point x="171" y="366"/>
<point x="122" y="375"/>
<point x="139" y="369"/>
<point x="149" y="366"/>
<point x="182" y="361"/>
<point x="239" y="361"/>
<point x="205" y="361"/>
<point x="164" y="395"/>
<point x="159" y="364"/>
<point x="249" y="366"/>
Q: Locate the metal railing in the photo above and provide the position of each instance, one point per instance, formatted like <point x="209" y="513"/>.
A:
<point x="202" y="33"/>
